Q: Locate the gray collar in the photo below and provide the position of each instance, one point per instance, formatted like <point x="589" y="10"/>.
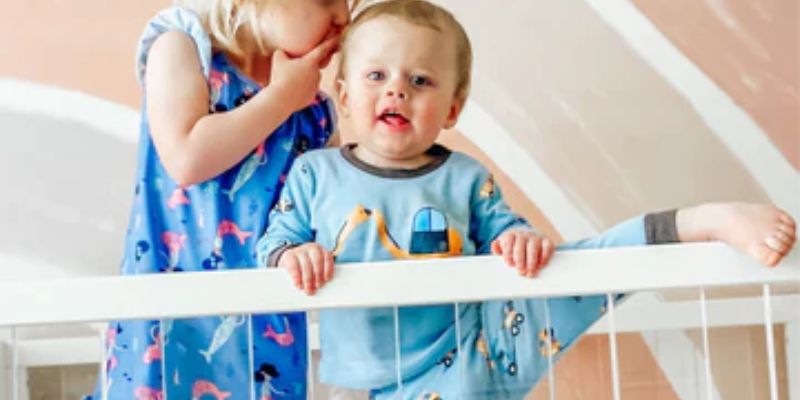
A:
<point x="439" y="153"/>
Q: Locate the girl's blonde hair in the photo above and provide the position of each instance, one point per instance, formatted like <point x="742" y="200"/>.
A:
<point x="421" y="13"/>
<point x="223" y="20"/>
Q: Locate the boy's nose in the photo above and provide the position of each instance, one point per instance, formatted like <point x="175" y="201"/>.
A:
<point x="397" y="93"/>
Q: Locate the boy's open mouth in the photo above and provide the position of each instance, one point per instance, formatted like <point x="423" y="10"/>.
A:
<point x="393" y="118"/>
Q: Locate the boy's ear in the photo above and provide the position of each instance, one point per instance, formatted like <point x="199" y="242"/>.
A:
<point x="455" y="110"/>
<point x="341" y="91"/>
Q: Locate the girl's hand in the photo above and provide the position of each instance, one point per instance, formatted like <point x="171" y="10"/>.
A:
<point x="299" y="78"/>
<point x="524" y="250"/>
<point x="309" y="265"/>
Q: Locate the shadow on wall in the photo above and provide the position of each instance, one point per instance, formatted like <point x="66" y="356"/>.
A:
<point x="67" y="188"/>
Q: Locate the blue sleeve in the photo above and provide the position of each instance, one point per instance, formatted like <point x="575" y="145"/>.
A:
<point x="174" y="19"/>
<point x="490" y="215"/>
<point x="631" y="232"/>
<point x="325" y="113"/>
<point x="330" y="112"/>
<point x="290" y="221"/>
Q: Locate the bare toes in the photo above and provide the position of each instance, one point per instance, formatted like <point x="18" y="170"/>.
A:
<point x="784" y="238"/>
<point x="775" y="244"/>
<point x="787" y="220"/>
<point x="761" y="252"/>
<point x="772" y="258"/>
<point x="787" y="229"/>
<point x="766" y="255"/>
<point x="784" y="216"/>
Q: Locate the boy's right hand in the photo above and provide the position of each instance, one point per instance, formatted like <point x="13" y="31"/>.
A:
<point x="299" y="78"/>
<point x="309" y="265"/>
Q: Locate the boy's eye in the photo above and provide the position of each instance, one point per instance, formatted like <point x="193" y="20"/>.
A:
<point x="375" y="76"/>
<point x="419" y="80"/>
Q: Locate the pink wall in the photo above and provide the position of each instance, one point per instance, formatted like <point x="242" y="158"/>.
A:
<point x="85" y="45"/>
<point x="751" y="49"/>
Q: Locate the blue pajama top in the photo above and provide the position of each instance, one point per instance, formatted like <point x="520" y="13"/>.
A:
<point x="361" y="213"/>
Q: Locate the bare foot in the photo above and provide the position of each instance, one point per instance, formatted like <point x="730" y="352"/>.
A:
<point x="763" y="231"/>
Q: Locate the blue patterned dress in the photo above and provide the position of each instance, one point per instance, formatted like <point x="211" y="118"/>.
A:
<point x="210" y="226"/>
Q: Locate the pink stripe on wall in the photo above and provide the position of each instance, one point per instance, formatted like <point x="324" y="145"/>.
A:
<point x="750" y="49"/>
<point x="86" y="45"/>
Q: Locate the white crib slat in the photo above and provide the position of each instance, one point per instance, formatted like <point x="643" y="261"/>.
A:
<point x="706" y="348"/>
<point x="397" y="355"/>
<point x="251" y="365"/>
<point x="104" y="354"/>
<point x="310" y="375"/>
<point x="461" y="356"/>
<point x="15" y="381"/>
<point x="612" y="340"/>
<point x="791" y="338"/>
<point x="551" y="380"/>
<point x="773" y="381"/>
<point x="164" y="355"/>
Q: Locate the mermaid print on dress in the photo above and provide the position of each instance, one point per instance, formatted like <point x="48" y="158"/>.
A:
<point x="205" y="227"/>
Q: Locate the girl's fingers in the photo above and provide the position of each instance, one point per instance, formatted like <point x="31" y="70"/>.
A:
<point x="279" y="56"/>
<point x="317" y="55"/>
<point x="327" y="60"/>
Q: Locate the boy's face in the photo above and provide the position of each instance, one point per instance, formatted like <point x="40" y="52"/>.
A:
<point x="399" y="90"/>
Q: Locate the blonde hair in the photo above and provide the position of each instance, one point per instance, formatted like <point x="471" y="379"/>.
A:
<point x="223" y="20"/>
<point x="425" y="14"/>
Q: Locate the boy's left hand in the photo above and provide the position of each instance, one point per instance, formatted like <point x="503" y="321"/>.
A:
<point x="524" y="250"/>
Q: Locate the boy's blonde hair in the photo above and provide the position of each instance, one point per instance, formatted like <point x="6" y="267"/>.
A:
<point x="223" y="20"/>
<point x="425" y="14"/>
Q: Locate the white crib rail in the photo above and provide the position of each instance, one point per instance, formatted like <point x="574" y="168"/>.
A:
<point x="397" y="283"/>
<point x="383" y="284"/>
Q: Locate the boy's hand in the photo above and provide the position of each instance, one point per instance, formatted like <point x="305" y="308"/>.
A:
<point x="524" y="250"/>
<point x="309" y="265"/>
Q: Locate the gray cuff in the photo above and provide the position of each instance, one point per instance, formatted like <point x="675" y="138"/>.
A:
<point x="272" y="259"/>
<point x="660" y="228"/>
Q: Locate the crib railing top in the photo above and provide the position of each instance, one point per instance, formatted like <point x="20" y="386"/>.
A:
<point x="570" y="273"/>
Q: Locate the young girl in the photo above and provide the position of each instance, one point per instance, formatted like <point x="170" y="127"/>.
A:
<point x="230" y="99"/>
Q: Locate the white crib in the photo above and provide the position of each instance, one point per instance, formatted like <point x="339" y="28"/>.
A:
<point x="656" y="273"/>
